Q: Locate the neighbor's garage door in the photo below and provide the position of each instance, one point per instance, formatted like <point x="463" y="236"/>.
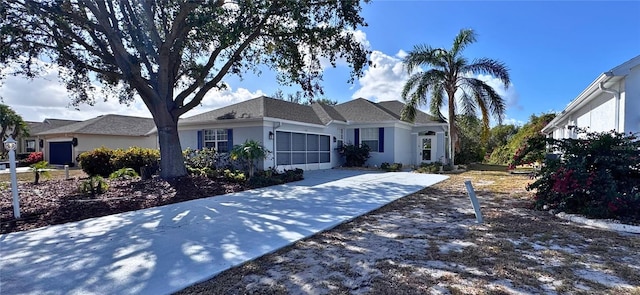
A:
<point x="60" y="152"/>
<point x="297" y="149"/>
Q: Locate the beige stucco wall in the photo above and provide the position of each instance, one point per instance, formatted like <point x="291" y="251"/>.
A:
<point x="89" y="142"/>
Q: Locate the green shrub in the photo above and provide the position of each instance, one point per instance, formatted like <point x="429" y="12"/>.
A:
<point x="355" y="156"/>
<point x="248" y="154"/>
<point x="598" y="176"/>
<point x="395" y="167"/>
<point x="39" y="169"/>
<point x="93" y="186"/>
<point x="197" y="159"/>
<point x="125" y="173"/>
<point x="97" y="162"/>
<point x="430" y="167"/>
<point x="234" y="176"/>
<point x="136" y="158"/>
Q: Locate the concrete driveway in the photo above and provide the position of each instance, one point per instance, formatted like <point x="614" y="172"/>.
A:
<point x="164" y="249"/>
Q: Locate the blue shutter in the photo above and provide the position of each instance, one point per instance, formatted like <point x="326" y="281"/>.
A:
<point x="356" y="133"/>
<point x="230" y="138"/>
<point x="381" y="140"/>
<point x="200" y="138"/>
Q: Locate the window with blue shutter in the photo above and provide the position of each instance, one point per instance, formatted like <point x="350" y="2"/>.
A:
<point x="200" y="137"/>
<point x="356" y="140"/>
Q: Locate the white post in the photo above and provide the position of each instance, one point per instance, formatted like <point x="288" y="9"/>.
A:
<point x="10" y="144"/>
<point x="474" y="200"/>
<point x="66" y="171"/>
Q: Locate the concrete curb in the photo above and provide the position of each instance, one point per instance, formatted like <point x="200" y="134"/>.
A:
<point x="600" y="223"/>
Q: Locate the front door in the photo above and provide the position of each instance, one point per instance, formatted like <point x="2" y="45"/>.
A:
<point x="426" y="149"/>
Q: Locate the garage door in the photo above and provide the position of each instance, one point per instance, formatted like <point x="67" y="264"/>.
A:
<point x="303" y="150"/>
<point x="60" y="153"/>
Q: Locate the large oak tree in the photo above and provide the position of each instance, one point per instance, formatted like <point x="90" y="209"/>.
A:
<point x="172" y="52"/>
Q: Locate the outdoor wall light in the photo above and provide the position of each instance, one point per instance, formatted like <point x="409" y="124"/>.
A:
<point x="335" y="139"/>
<point x="270" y="135"/>
<point x="571" y="127"/>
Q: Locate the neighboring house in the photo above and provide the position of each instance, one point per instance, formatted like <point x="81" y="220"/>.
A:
<point x="62" y="145"/>
<point x="610" y="102"/>
<point x="32" y="143"/>
<point x="308" y="137"/>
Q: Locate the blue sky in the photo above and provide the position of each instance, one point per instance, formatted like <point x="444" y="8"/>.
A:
<point x="554" y="50"/>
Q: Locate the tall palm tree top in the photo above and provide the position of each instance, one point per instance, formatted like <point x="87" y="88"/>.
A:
<point x="447" y="78"/>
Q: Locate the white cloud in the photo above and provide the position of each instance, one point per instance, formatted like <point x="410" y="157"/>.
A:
<point x="510" y="95"/>
<point x="512" y="121"/>
<point x="47" y="97"/>
<point x="384" y="79"/>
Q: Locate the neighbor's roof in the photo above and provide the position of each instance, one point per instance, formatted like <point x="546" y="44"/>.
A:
<point x="107" y="125"/>
<point x="357" y="111"/>
<point x="47" y="124"/>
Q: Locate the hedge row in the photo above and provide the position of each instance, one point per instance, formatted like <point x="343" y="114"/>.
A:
<point x="104" y="161"/>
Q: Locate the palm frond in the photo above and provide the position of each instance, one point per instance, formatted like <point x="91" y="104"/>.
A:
<point x="462" y="40"/>
<point x="437" y="101"/>
<point x="489" y="66"/>
<point x="468" y="104"/>
<point x="481" y="100"/>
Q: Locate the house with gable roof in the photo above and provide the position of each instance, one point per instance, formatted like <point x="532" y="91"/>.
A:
<point x="32" y="142"/>
<point x="62" y="145"/>
<point x="308" y="137"/>
<point x="610" y="102"/>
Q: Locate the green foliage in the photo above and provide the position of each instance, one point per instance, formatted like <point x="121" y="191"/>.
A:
<point x="598" y="176"/>
<point x="355" y="156"/>
<point x="136" y="158"/>
<point x="203" y="158"/>
<point x="248" y="154"/>
<point x="430" y="167"/>
<point x="40" y="170"/>
<point x="272" y="177"/>
<point x="499" y="136"/>
<point x="11" y="124"/>
<point x="234" y="176"/>
<point x="97" y="162"/>
<point x="125" y="173"/>
<point x="103" y="161"/>
<point x="471" y="144"/>
<point x="503" y="155"/>
<point x="93" y="186"/>
<point x="395" y="167"/>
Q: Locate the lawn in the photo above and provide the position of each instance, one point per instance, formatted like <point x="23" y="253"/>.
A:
<point x="429" y="242"/>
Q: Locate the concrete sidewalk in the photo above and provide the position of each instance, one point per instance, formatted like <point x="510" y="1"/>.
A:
<point x="164" y="249"/>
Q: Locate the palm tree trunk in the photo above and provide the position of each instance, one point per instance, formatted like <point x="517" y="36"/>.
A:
<point x="452" y="127"/>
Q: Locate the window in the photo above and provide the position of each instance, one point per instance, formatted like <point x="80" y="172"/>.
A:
<point x="341" y="138"/>
<point x="217" y="139"/>
<point x="300" y="148"/>
<point x="30" y="145"/>
<point x="369" y="137"/>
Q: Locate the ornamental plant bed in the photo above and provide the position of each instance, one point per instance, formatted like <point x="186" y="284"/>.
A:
<point x="58" y="201"/>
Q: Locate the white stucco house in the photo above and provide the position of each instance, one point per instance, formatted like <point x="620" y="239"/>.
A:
<point x="308" y="136"/>
<point x="610" y="102"/>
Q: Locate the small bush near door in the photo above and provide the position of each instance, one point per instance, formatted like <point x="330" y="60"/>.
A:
<point x="395" y="167"/>
<point x="355" y="156"/>
<point x="429" y="168"/>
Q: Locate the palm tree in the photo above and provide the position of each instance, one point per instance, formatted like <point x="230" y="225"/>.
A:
<point x="449" y="73"/>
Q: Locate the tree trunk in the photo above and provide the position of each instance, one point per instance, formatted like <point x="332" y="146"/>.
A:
<point x="171" y="158"/>
<point x="453" y="130"/>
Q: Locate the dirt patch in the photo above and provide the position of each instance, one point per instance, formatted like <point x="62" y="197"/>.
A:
<point x="429" y="242"/>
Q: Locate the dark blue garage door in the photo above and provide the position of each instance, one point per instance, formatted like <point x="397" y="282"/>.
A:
<point x="60" y="153"/>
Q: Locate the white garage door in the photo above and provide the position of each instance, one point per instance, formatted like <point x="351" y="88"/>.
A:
<point x="303" y="150"/>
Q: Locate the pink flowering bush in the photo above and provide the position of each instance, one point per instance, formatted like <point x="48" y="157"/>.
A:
<point x="597" y="176"/>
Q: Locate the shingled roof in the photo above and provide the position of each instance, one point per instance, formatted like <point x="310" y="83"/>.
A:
<point x="47" y="124"/>
<point x="107" y="125"/>
<point x="358" y="111"/>
<point x="265" y="107"/>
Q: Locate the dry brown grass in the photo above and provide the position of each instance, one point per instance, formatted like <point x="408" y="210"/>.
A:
<point x="429" y="242"/>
